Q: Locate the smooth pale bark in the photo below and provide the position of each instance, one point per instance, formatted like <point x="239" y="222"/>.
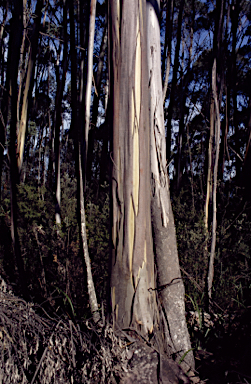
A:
<point x="90" y="285"/>
<point x="170" y="284"/>
<point x="217" y="151"/>
<point x="233" y="80"/>
<point x="77" y="104"/>
<point x="174" y="83"/>
<point x="98" y="76"/>
<point x="58" y="118"/>
<point x="132" y="265"/>
<point x="95" y="107"/>
<point x="209" y="167"/>
<point x="216" y="101"/>
<point x="28" y="83"/>
<point x="89" y="73"/>
<point x="14" y="52"/>
<point x="168" y="45"/>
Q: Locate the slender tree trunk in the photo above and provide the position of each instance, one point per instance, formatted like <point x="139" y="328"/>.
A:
<point x="96" y="100"/>
<point x="215" y="176"/>
<point x="234" y="23"/>
<point x="209" y="167"/>
<point x="245" y="176"/>
<point x="178" y="163"/>
<point x="89" y="77"/>
<point x="216" y="91"/>
<point x="2" y="92"/>
<point x="90" y="285"/>
<point x="15" y="45"/>
<point x="168" y="46"/>
<point x="77" y="104"/>
<point x="58" y="118"/>
<point x="174" y="83"/>
<point x="170" y="284"/>
<point x="28" y="84"/>
<point x="2" y="145"/>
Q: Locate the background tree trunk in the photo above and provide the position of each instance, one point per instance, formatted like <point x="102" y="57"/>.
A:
<point x="14" y="52"/>
<point x="174" y="83"/>
<point x="28" y="84"/>
<point x="77" y="105"/>
<point x="170" y="284"/>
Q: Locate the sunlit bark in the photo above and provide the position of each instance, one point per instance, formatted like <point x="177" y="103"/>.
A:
<point x="132" y="267"/>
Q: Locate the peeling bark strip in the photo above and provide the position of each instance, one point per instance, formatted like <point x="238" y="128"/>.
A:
<point x="167" y="262"/>
<point x="132" y="271"/>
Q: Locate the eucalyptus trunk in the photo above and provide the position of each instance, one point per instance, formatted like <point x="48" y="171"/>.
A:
<point x="28" y="84"/>
<point x="132" y="267"/>
<point x="174" y="83"/>
<point x="14" y="52"/>
<point x="170" y="284"/>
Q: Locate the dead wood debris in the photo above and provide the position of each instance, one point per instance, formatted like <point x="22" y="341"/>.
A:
<point x="35" y="349"/>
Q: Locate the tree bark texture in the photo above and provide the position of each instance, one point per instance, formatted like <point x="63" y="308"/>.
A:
<point x="170" y="284"/>
<point x="2" y="103"/>
<point x="217" y="151"/>
<point x="15" y="44"/>
<point x="28" y="84"/>
<point x="90" y="284"/>
<point x="168" y="46"/>
<point x="77" y="105"/>
<point x="216" y="93"/>
<point x="89" y="75"/>
<point x="132" y="269"/>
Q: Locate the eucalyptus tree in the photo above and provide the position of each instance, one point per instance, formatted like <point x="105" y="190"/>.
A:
<point x="15" y="41"/>
<point x="140" y="184"/>
<point x="133" y="296"/>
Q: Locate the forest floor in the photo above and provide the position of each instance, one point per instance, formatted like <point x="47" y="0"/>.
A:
<point x="226" y="359"/>
<point x="39" y="348"/>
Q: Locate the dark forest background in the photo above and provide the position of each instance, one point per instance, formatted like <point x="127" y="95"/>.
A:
<point x="50" y="252"/>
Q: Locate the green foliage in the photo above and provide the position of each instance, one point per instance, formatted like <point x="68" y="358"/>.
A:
<point x="191" y="240"/>
<point x="232" y="275"/>
<point x="97" y="216"/>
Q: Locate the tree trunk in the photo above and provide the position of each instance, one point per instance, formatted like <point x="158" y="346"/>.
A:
<point x="89" y="78"/>
<point x="216" y="161"/>
<point x="95" y="107"/>
<point x="90" y="285"/>
<point x="58" y="119"/>
<point x="174" y="83"/>
<point x="2" y="103"/>
<point x="234" y="30"/>
<point x="15" y="44"/>
<point x="209" y="168"/>
<point x="132" y="266"/>
<point x="77" y="104"/>
<point x="168" y="46"/>
<point x="28" y="84"/>
<point x="170" y="284"/>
